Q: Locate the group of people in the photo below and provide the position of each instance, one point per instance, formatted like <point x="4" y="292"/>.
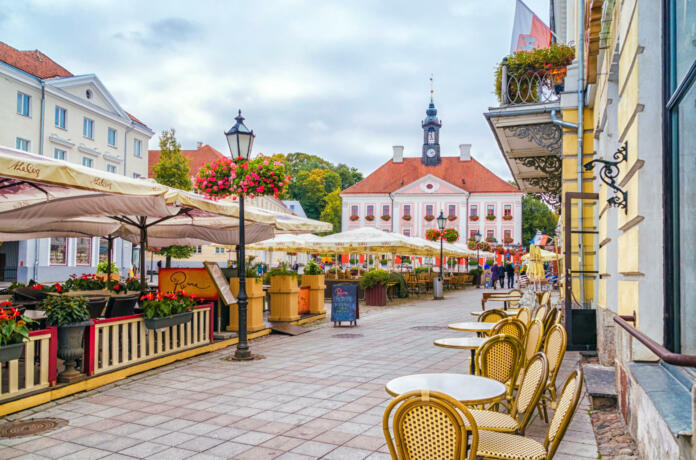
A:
<point x="497" y="274"/>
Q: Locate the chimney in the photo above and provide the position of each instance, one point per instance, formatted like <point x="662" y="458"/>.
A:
<point x="200" y="144"/>
<point x="398" y="154"/>
<point x="464" y="152"/>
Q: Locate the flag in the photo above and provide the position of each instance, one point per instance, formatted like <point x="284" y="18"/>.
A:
<point x="528" y="31"/>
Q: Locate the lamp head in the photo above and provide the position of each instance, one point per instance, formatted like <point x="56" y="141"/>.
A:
<point x="240" y="139"/>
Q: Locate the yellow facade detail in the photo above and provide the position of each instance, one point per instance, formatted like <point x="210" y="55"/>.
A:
<point x="628" y="248"/>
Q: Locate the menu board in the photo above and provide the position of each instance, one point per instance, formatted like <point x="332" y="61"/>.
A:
<point x="344" y="303"/>
<point x="190" y="280"/>
<point x="221" y="284"/>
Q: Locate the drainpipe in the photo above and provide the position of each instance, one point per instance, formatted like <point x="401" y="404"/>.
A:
<point x="41" y="145"/>
<point x="581" y="143"/>
<point x="391" y="197"/>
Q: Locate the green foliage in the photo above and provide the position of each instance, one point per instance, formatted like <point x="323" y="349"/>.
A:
<point x="402" y="292"/>
<point x="13" y="326"/>
<point x="61" y="310"/>
<point x="419" y="270"/>
<point x="473" y="262"/>
<point x="373" y="278"/>
<point x="102" y="266"/>
<point x="312" y="268"/>
<point x="86" y="282"/>
<point x="310" y="188"/>
<point x="251" y="269"/>
<point x="173" y="168"/>
<point x="332" y="210"/>
<point x="283" y="270"/>
<point x="133" y="284"/>
<point x="161" y="305"/>
<point x="490" y="262"/>
<point x="174" y="252"/>
<point x="536" y="216"/>
<point x="476" y="271"/>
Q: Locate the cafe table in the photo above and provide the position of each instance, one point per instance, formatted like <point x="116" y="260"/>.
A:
<point x="471" y="326"/>
<point x="465" y="388"/>
<point x="508" y="312"/>
<point x="463" y="343"/>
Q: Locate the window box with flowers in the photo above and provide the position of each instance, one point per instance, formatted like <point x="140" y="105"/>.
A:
<point x="369" y="218"/>
<point x="474" y="217"/>
<point x="490" y="217"/>
<point x="354" y="217"/>
<point x="452" y="217"/>
<point x="166" y="310"/>
<point x="386" y="217"/>
<point x="507" y="217"/>
<point x="13" y="331"/>
<point x="490" y="239"/>
<point x="429" y="217"/>
<point x="508" y="240"/>
<point x="406" y="217"/>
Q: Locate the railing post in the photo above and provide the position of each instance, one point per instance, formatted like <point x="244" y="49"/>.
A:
<point x="53" y="356"/>
<point x="90" y="350"/>
<point x="211" y="331"/>
<point x="504" y="84"/>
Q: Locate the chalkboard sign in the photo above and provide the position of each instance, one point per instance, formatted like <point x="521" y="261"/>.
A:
<point x="221" y="284"/>
<point x="344" y="303"/>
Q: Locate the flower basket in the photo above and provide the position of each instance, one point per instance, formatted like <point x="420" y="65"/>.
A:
<point x="406" y="217"/>
<point x="432" y="234"/>
<point x="369" y="218"/>
<point x="13" y="332"/>
<point x="490" y="217"/>
<point x="490" y="239"/>
<point x="508" y="240"/>
<point x="354" y="218"/>
<point x="168" y="321"/>
<point x="474" y="218"/>
<point x="386" y="217"/>
<point x="11" y="352"/>
<point x="450" y="235"/>
<point x="429" y="218"/>
<point x="226" y="176"/>
<point x="507" y="217"/>
<point x="451" y="218"/>
<point x="165" y="310"/>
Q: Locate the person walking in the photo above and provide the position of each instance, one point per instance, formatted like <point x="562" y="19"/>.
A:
<point x="510" y="273"/>
<point x="501" y="275"/>
<point x="495" y="274"/>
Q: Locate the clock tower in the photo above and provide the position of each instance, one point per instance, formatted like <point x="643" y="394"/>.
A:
<point x="431" y="136"/>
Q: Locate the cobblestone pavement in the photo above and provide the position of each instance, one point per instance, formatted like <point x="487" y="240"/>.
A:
<point x="316" y="395"/>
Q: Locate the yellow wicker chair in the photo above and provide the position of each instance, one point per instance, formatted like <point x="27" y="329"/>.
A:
<point x="525" y="316"/>
<point x="429" y="425"/>
<point x="532" y="343"/>
<point x="552" y="317"/>
<point x="541" y="313"/>
<point x="491" y="316"/>
<point x="554" y="349"/>
<point x="500" y="358"/>
<point x="493" y="444"/>
<point x="509" y="326"/>
<point x="536" y="375"/>
<point x="545" y="297"/>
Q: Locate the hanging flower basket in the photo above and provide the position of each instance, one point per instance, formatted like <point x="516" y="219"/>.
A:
<point x="354" y="218"/>
<point x="386" y="217"/>
<point x="507" y="217"/>
<point x="432" y="234"/>
<point x="474" y="218"/>
<point x="257" y="177"/>
<point x="451" y="218"/>
<point x="490" y="217"/>
<point x="429" y="218"/>
<point x="369" y="218"/>
<point x="406" y="217"/>
<point x="450" y="235"/>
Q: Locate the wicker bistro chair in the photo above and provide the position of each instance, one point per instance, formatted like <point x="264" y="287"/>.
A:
<point x="509" y="326"/>
<point x="536" y="375"/>
<point x="491" y="316"/>
<point x="524" y="315"/>
<point x="541" y="312"/>
<point x="554" y="349"/>
<point x="430" y="425"/>
<point x="493" y="444"/>
<point x="552" y="318"/>
<point x="532" y="344"/>
<point x="500" y="358"/>
<point x="545" y="297"/>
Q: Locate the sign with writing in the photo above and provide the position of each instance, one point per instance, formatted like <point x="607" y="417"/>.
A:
<point x="190" y="280"/>
<point x="222" y="286"/>
<point x="344" y="303"/>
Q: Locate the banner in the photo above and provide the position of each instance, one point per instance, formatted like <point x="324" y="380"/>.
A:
<point x="195" y="281"/>
<point x="528" y="31"/>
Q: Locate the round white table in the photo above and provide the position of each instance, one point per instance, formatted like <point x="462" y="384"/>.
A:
<point x="508" y="312"/>
<point x="463" y="343"/>
<point x="471" y="326"/>
<point x="468" y="389"/>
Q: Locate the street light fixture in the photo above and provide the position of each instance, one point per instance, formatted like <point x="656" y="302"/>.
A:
<point x="240" y="139"/>
<point x="477" y="238"/>
<point x="441" y="222"/>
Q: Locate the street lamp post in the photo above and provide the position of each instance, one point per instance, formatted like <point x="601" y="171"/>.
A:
<point x="441" y="222"/>
<point x="477" y="238"/>
<point x="240" y="139"/>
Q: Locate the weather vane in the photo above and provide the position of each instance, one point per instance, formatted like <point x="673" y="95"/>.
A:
<point x="431" y="85"/>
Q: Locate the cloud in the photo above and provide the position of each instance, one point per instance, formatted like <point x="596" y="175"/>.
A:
<point x="162" y="33"/>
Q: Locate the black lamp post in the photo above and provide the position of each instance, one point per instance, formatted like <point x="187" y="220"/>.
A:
<point x="441" y="222"/>
<point x="477" y="238"/>
<point x="240" y="139"/>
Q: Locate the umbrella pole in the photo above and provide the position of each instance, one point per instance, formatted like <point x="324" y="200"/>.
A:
<point x="143" y="244"/>
<point x="109" y="247"/>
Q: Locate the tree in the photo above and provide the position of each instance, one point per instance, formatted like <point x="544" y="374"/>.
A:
<point x="173" y="170"/>
<point x="536" y="216"/>
<point x="310" y="188"/>
<point x="349" y="176"/>
<point x="332" y="210"/>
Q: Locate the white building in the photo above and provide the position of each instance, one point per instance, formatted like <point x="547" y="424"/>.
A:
<point x="47" y="110"/>
<point x="406" y="195"/>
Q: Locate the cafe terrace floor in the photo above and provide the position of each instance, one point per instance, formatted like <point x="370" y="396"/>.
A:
<point x="316" y="395"/>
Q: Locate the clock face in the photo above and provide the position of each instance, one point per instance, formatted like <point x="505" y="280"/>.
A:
<point x="430" y="152"/>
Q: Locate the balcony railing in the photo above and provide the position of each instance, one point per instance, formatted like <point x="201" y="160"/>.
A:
<point x="531" y="87"/>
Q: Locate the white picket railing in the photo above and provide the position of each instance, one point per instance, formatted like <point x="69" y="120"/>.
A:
<point x="119" y="342"/>
<point x="34" y="370"/>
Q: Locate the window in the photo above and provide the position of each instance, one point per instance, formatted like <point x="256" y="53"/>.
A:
<point x="137" y="148"/>
<point x="407" y="210"/>
<point x="136" y="176"/>
<point x="22" y="144"/>
<point x="354" y="211"/>
<point x="490" y="210"/>
<point x="87" y="162"/>
<point x="83" y="251"/>
<point x="679" y="160"/>
<point x="88" y="128"/>
<point x="474" y="210"/>
<point x="370" y="210"/>
<point x="111" y="168"/>
<point x="407" y="232"/>
<point x="59" y="154"/>
<point x="198" y="250"/>
<point x="219" y="250"/>
<point x="60" y="117"/>
<point x="103" y="250"/>
<point x="23" y="104"/>
<point x="59" y="251"/>
<point x="111" y="137"/>
<point x="507" y="234"/>
<point x="452" y="210"/>
<point x="385" y="210"/>
<point x="490" y="234"/>
<point x="472" y="234"/>
<point x="428" y="209"/>
<point x="507" y="210"/>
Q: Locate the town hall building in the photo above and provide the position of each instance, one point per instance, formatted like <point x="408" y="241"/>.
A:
<point x="406" y="194"/>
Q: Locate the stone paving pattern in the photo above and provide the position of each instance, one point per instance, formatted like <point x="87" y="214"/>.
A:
<point x="314" y="396"/>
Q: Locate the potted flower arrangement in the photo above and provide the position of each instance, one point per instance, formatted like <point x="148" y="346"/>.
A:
<point x="70" y="315"/>
<point x="255" y="177"/>
<point x="385" y="217"/>
<point x="354" y="217"/>
<point x="254" y="290"/>
<point x="165" y="310"/>
<point x="450" y="235"/>
<point x="369" y="218"/>
<point x="101" y="271"/>
<point x="284" y="292"/>
<point x="313" y="278"/>
<point x="133" y="284"/>
<point x="474" y="217"/>
<point x="507" y="217"/>
<point x="406" y="217"/>
<point x="383" y="262"/>
<point x="429" y="217"/>
<point x="118" y="287"/>
<point x="13" y="332"/>
<point x="375" y="283"/>
<point x="432" y="234"/>
<point x="490" y="216"/>
<point x="86" y="282"/>
<point x="352" y="261"/>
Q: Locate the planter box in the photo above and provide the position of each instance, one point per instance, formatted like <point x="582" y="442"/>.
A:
<point x="11" y="352"/>
<point x="168" y="321"/>
<point x="303" y="301"/>
<point x="316" y="286"/>
<point x="254" y="290"/>
<point x="284" y="291"/>
<point x="376" y="296"/>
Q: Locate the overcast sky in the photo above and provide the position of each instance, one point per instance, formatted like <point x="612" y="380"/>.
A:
<point x="344" y="80"/>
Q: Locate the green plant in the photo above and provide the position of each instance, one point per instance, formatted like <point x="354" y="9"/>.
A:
<point x="373" y="278"/>
<point x="476" y="271"/>
<point x="161" y="305"/>
<point x="118" y="287"/>
<point x="383" y="261"/>
<point x="61" y="310"/>
<point x="133" y="284"/>
<point x="283" y="270"/>
<point x="86" y="282"/>
<point x="419" y="270"/>
<point x="13" y="326"/>
<point x="353" y="261"/>
<point x="490" y="261"/>
<point x="398" y="278"/>
<point x="102" y="266"/>
<point x="473" y="262"/>
<point x="451" y="262"/>
<point x="251" y="269"/>
<point x="312" y="268"/>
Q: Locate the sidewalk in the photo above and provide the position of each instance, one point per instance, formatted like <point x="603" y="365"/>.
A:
<point x="317" y="395"/>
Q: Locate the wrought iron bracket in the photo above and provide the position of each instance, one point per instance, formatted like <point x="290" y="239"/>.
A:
<point x="609" y="172"/>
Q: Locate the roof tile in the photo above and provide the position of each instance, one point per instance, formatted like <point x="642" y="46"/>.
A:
<point x="196" y="158"/>
<point x="33" y="62"/>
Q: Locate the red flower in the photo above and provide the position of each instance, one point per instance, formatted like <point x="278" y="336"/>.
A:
<point x="117" y="287"/>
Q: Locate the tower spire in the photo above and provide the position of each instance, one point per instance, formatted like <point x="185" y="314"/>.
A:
<point x="431" y="88"/>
